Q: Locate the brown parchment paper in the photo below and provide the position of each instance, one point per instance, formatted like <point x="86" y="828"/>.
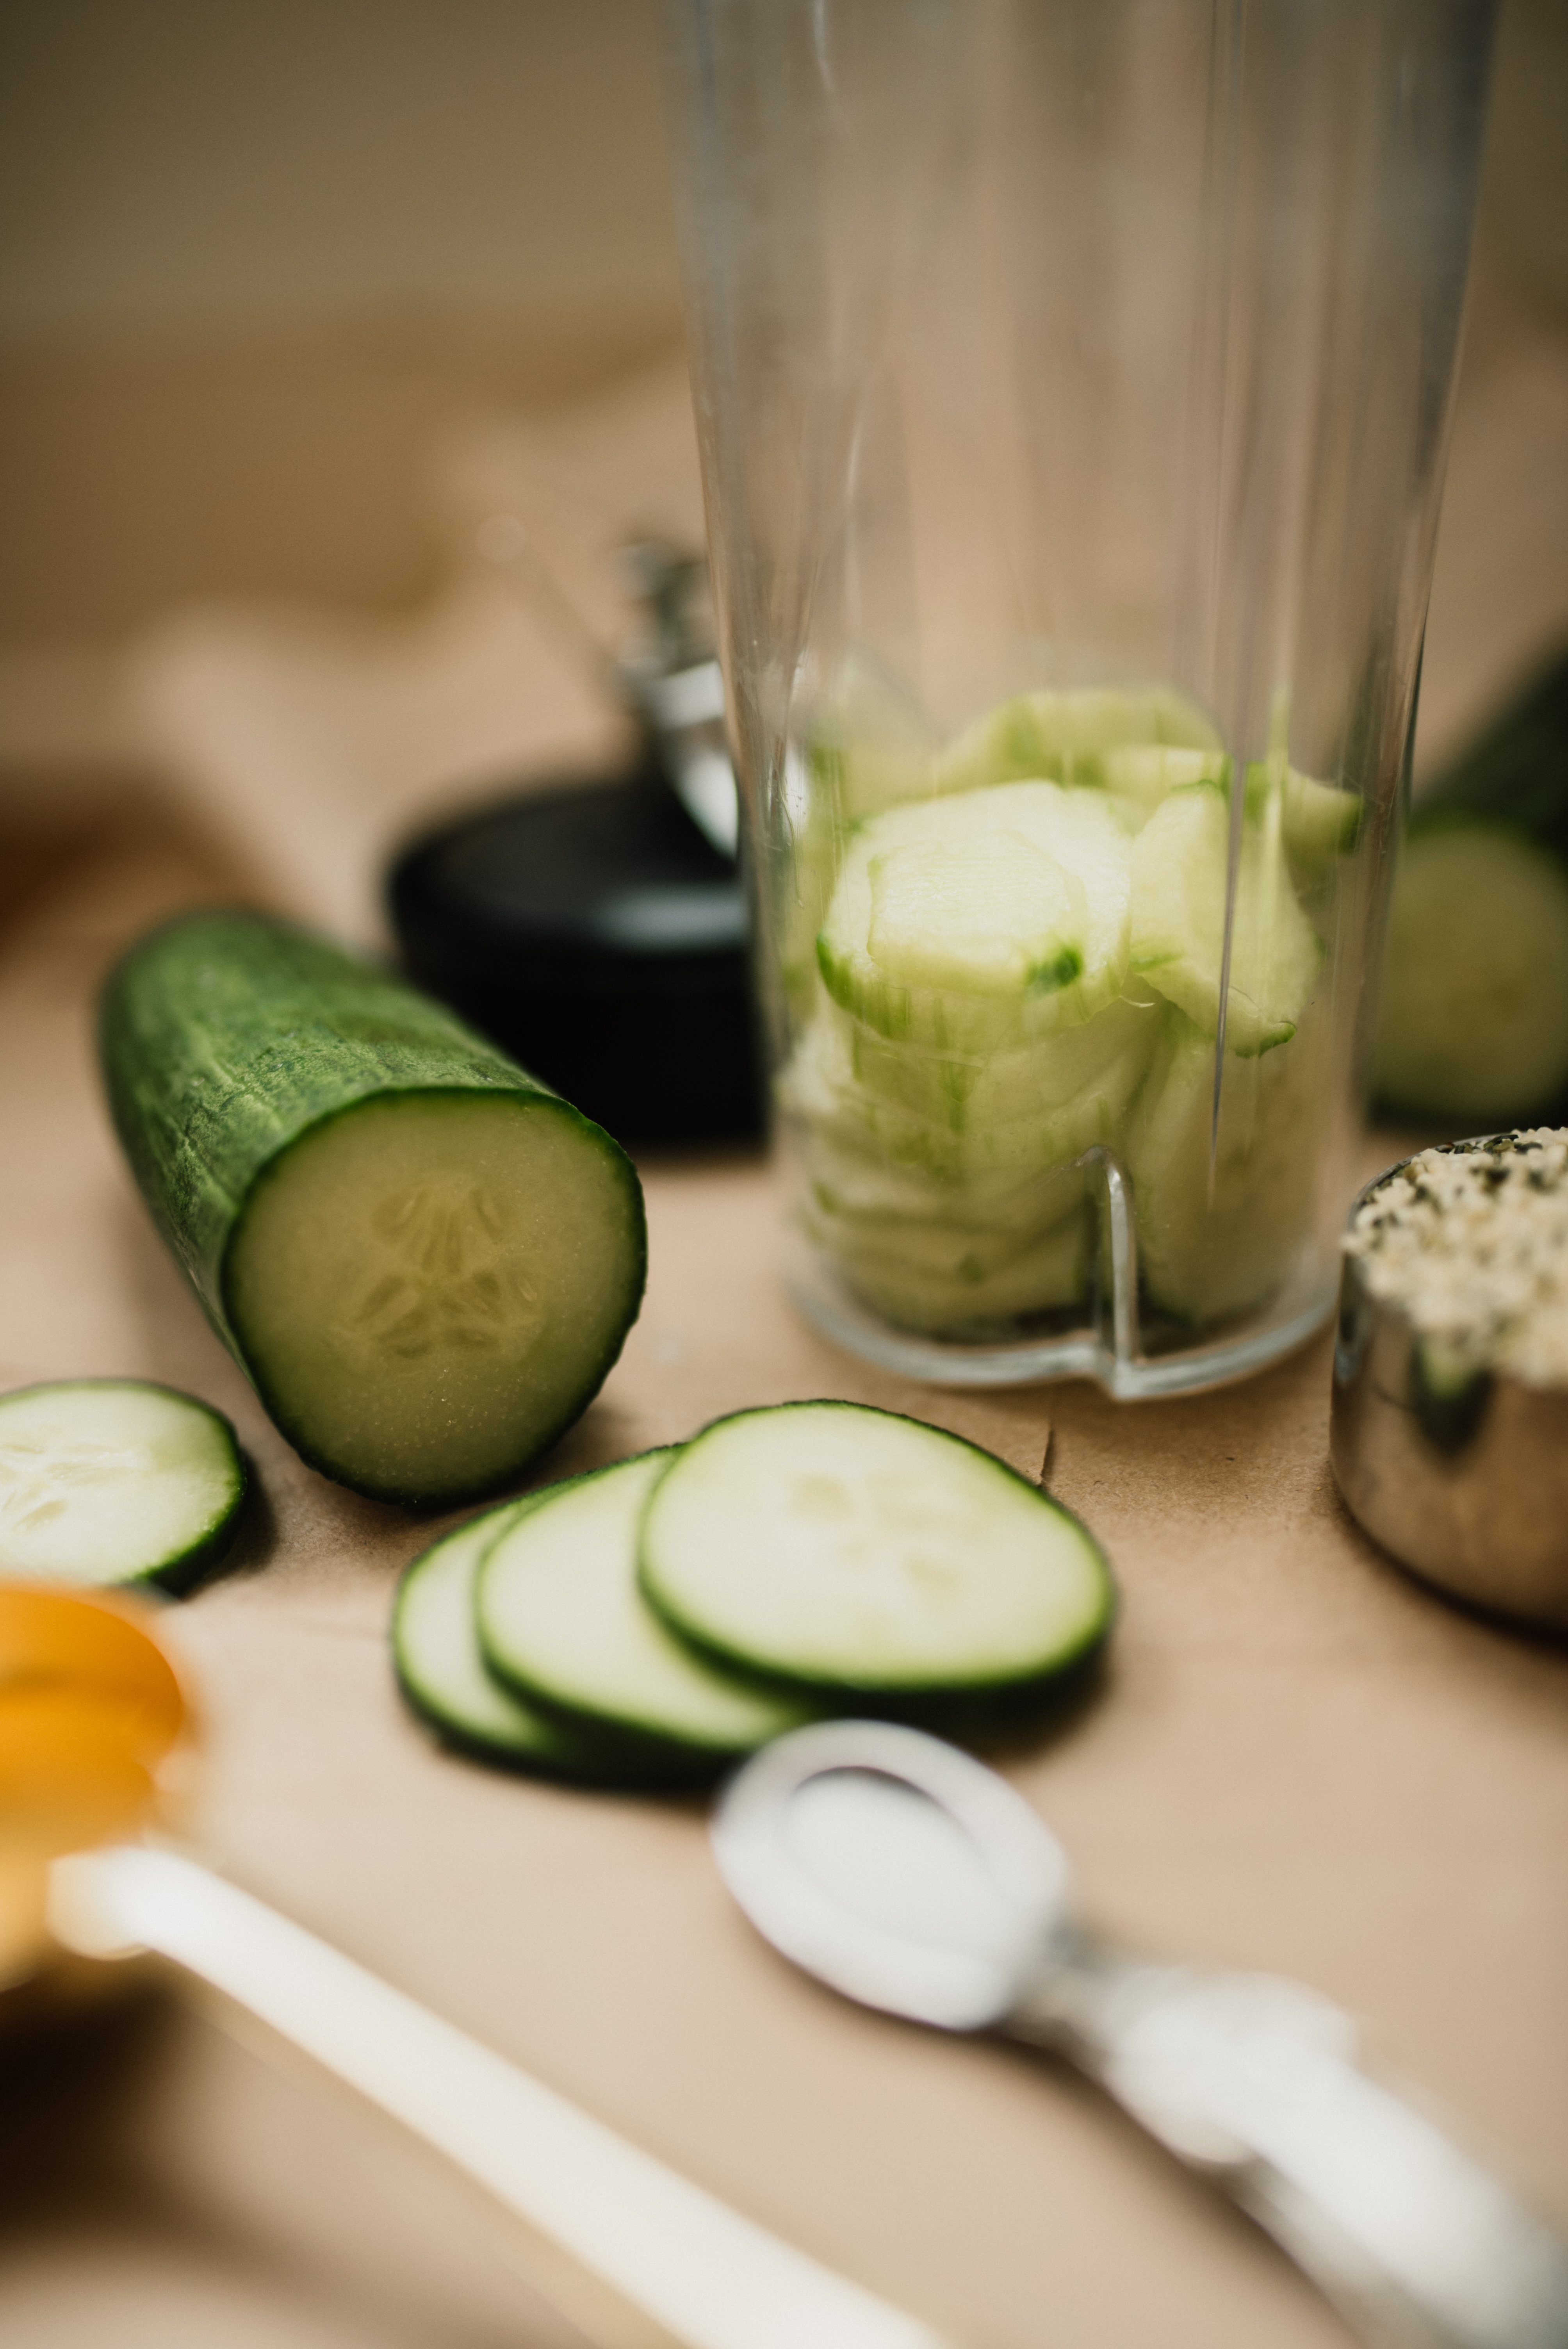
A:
<point x="1299" y="1760"/>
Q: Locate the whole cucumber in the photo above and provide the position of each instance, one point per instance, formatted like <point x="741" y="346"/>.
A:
<point x="425" y="1261"/>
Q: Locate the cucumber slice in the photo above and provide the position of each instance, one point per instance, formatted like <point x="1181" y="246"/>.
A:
<point x="1064" y="737"/>
<point x="1016" y="1129"/>
<point x="561" y="1619"/>
<point x="1319" y="821"/>
<point x="973" y="1096"/>
<point x="1180" y="865"/>
<point x="991" y="918"/>
<point x="106" y="1481"/>
<point x="436" y="1654"/>
<point x="941" y="1281"/>
<point x="1147" y="772"/>
<point x="1474" y="1021"/>
<point x="850" y="1552"/>
<point x="1221" y="1222"/>
<point x="425" y="1261"/>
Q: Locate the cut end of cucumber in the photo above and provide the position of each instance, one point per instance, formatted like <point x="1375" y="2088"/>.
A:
<point x="434" y="1285"/>
<point x="114" y="1481"/>
<point x="847" y="1551"/>
<point x="1473" y="1023"/>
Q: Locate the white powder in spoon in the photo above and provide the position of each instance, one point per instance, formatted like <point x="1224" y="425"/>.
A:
<point x="1471" y="1242"/>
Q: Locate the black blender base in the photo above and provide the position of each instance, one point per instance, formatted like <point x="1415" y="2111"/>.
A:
<point x="595" y="935"/>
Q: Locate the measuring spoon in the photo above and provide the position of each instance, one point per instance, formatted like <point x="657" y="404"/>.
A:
<point x="97" y="1754"/>
<point x="908" y="1876"/>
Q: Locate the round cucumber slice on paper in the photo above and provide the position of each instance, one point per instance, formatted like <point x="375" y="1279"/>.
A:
<point x="106" y="1481"/>
<point x="436" y="1654"/>
<point x="984" y="918"/>
<point x="855" y="1554"/>
<point x="561" y="1619"/>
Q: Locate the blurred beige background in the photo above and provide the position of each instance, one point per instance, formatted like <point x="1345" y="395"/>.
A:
<point x="249" y="255"/>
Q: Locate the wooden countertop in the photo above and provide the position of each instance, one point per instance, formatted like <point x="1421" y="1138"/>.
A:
<point x="1300" y="1760"/>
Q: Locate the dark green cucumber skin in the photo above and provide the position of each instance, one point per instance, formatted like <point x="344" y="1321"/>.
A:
<point x="576" y="1761"/>
<point x="224" y="1037"/>
<point x="968" y="1707"/>
<point x="178" y="1575"/>
<point x="630" y="1754"/>
<point x="1516" y="775"/>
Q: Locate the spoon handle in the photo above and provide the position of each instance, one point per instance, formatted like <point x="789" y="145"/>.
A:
<point x="1255" y="2082"/>
<point x="635" y="2255"/>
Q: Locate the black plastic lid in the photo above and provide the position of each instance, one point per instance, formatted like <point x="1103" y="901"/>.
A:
<point x="600" y="939"/>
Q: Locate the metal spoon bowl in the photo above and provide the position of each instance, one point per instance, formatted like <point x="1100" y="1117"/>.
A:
<point x="911" y="1877"/>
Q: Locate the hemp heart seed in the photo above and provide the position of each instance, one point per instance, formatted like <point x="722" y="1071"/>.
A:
<point x="1471" y="1241"/>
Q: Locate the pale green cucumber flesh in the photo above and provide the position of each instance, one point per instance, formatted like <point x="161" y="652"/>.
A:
<point x="427" y="1287"/>
<point x="1065" y="736"/>
<point x="1147" y="772"/>
<point x="113" y="1481"/>
<point x="1473" y="1017"/>
<point x="1024" y="1112"/>
<point x="1221" y="1220"/>
<point x="961" y="1066"/>
<point x="1178" y="924"/>
<point x="1319" y="822"/>
<point x="972" y="922"/>
<point x="562" y="1620"/>
<point x="851" y="1553"/>
<point x="435" y="1651"/>
<point x="1322" y="821"/>
<point x="934" y="1283"/>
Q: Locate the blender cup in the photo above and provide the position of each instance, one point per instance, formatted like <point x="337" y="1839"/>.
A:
<point x="1072" y="382"/>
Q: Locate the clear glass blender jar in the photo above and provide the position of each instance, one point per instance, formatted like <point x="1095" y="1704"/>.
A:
<point x="1072" y="381"/>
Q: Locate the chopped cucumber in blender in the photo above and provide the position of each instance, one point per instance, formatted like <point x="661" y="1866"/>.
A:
<point x="1147" y="773"/>
<point x="980" y="921"/>
<point x="1319" y="822"/>
<point x="1028" y="967"/>
<point x="1063" y="737"/>
<point x="970" y="1093"/>
<point x="1220" y="1218"/>
<point x="1180" y="865"/>
<point x="1013" y="1126"/>
<point x="1047" y="1274"/>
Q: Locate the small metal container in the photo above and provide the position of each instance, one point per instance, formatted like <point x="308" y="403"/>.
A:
<point x="1468" y="1486"/>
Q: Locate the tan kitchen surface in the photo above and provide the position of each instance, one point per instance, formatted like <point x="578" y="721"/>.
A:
<point x="1299" y="1760"/>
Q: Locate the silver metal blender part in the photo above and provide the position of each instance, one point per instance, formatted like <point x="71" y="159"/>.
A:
<point x="909" y="1877"/>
